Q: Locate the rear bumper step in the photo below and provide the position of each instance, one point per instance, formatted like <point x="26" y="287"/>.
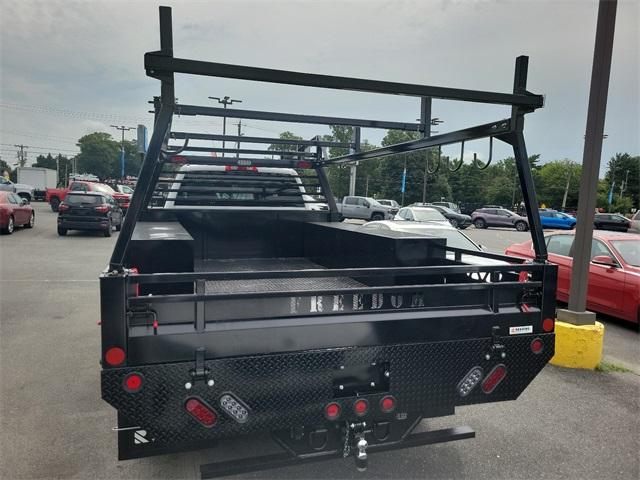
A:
<point x="280" y="460"/>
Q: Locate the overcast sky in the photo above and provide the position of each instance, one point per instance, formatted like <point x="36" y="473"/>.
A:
<point x="71" y="68"/>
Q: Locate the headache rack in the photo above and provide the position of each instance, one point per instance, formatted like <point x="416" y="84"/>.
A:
<point x="234" y="181"/>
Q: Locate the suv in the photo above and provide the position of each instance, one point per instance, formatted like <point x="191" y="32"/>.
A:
<point x="611" y="221"/>
<point x="89" y="211"/>
<point x="499" y="217"/>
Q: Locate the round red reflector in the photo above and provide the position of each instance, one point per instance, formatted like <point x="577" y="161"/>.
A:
<point x="388" y="404"/>
<point x="114" y="356"/>
<point x="332" y="411"/>
<point x="133" y="382"/>
<point x="361" y="406"/>
<point x="537" y="345"/>
<point x="548" y="324"/>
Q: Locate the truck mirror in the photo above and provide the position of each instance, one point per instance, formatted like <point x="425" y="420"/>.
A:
<point x="367" y="204"/>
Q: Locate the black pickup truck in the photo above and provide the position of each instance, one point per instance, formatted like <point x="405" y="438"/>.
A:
<point x="236" y="303"/>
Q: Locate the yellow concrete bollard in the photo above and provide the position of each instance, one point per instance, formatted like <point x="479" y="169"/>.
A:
<point x="578" y="346"/>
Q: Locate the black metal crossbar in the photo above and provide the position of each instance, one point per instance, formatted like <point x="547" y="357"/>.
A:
<point x="190" y="297"/>
<point x="294" y="118"/>
<point x="265" y="140"/>
<point x="473" y="133"/>
<point x="156" y="63"/>
<point x="334" y="272"/>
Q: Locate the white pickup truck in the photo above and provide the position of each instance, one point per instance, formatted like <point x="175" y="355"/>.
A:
<point x="24" y="191"/>
<point x="365" y="208"/>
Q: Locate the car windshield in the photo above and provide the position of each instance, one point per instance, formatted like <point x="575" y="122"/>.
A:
<point x="98" y="187"/>
<point x="427" y="215"/>
<point x="454" y="238"/>
<point x="80" y="199"/>
<point x="447" y="209"/>
<point x="629" y="250"/>
<point x="125" y="189"/>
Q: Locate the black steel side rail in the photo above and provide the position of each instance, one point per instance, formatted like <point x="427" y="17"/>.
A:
<point x="156" y="63"/>
<point x="294" y="118"/>
<point x="472" y="133"/>
<point x="241" y="162"/>
<point x="243" y="139"/>
<point x="194" y="297"/>
<point x="148" y="278"/>
<point x="280" y="460"/>
<point x="246" y="151"/>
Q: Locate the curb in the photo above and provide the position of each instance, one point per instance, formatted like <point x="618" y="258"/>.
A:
<point x="578" y="346"/>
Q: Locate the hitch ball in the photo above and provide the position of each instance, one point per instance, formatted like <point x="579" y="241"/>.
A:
<point x="361" y="456"/>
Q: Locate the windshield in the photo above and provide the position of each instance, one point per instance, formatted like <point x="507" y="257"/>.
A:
<point x="125" y="189"/>
<point x="98" y="187"/>
<point x="80" y="199"/>
<point x="447" y="209"/>
<point x="427" y="215"/>
<point x="629" y="250"/>
<point x="454" y="238"/>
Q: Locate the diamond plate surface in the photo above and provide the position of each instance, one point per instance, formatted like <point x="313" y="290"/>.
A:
<point x="288" y="390"/>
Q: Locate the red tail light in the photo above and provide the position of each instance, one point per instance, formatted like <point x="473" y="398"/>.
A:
<point x="178" y="159"/>
<point x="548" y="324"/>
<point x="332" y="411"/>
<point x="133" y="382"/>
<point x="303" y="165"/>
<point x="360" y="407"/>
<point x="63" y="208"/>
<point x="387" y="404"/>
<point x="102" y="208"/>
<point x="493" y="379"/>
<point x="114" y="356"/>
<point x="201" y="412"/>
<point x="537" y="346"/>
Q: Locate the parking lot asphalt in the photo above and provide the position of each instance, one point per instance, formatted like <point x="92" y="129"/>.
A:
<point x="567" y="424"/>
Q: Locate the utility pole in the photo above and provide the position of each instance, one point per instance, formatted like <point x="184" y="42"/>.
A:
<point x="366" y="187"/>
<point x="226" y="100"/>
<point x="22" y="155"/>
<point x="122" y="129"/>
<point x="355" y="138"/>
<point x="566" y="189"/>
<point x="239" y="124"/>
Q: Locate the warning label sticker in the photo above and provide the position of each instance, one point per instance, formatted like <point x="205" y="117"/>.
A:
<point x="521" y="329"/>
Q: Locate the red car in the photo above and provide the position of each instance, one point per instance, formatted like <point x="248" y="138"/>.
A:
<point x="614" y="273"/>
<point x="55" y="196"/>
<point x="15" y="211"/>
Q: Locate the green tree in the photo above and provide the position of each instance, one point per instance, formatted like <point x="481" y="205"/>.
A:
<point x="284" y="147"/>
<point x="624" y="169"/>
<point x="554" y="178"/>
<point x="99" y="154"/>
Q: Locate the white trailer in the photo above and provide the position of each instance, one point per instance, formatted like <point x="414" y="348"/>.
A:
<point x="40" y="178"/>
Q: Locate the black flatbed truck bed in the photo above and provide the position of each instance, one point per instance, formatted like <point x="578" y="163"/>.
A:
<point x="220" y="322"/>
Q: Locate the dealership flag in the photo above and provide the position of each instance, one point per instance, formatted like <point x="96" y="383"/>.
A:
<point x="611" y="193"/>
<point x="404" y="180"/>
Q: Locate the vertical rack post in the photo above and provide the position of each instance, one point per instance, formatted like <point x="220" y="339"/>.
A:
<point x="516" y="139"/>
<point x="425" y="120"/>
